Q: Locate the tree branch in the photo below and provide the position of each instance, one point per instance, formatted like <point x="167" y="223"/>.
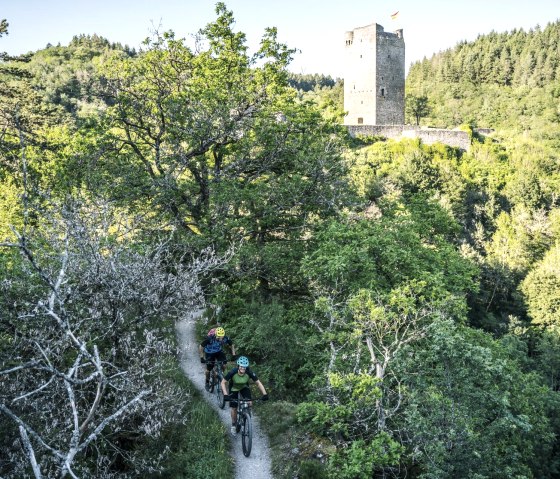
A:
<point x="30" y="452"/>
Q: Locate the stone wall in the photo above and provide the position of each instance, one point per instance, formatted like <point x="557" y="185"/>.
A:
<point x="359" y="76"/>
<point x="484" y="131"/>
<point x="374" y="76"/>
<point x="390" y="78"/>
<point x="387" y="131"/>
<point x="455" y="138"/>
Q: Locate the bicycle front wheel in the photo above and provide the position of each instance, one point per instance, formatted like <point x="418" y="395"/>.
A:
<point x="247" y="433"/>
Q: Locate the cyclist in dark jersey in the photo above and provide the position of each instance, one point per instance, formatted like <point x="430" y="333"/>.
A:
<point x="211" y="350"/>
<point x="239" y="377"/>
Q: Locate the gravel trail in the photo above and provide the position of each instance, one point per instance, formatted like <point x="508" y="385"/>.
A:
<point x="258" y="464"/>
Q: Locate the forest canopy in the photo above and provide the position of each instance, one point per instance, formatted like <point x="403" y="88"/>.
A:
<point x="399" y="300"/>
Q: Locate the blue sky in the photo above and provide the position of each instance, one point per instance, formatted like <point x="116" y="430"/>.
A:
<point x="316" y="27"/>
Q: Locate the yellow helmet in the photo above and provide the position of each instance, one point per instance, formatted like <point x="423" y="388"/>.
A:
<point x="220" y="332"/>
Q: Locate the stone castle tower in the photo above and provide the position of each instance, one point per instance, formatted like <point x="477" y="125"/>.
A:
<point x="374" y="76"/>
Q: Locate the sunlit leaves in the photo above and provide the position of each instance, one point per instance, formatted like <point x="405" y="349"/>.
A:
<point x="541" y="288"/>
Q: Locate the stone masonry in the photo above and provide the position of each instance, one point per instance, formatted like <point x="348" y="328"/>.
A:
<point x="374" y="76"/>
<point x="374" y="90"/>
<point x="456" y="138"/>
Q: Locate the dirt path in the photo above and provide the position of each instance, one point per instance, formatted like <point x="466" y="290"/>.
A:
<point x="257" y="465"/>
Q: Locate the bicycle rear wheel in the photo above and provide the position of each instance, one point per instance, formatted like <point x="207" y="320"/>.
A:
<point x="220" y="396"/>
<point x="247" y="433"/>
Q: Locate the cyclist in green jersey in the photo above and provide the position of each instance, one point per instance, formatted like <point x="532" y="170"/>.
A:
<point x="239" y="377"/>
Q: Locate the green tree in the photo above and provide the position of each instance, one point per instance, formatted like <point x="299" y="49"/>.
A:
<point x="380" y="284"/>
<point x="216" y="144"/>
<point x="470" y="410"/>
<point x="541" y="289"/>
<point x="411" y="240"/>
<point x="357" y="405"/>
<point x="417" y="107"/>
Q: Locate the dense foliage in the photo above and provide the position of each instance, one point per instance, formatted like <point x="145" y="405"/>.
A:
<point x="505" y="80"/>
<point x="310" y="81"/>
<point x="399" y="301"/>
<point x="515" y="58"/>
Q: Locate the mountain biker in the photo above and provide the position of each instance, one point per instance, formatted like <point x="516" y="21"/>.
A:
<point x="211" y="351"/>
<point x="238" y="378"/>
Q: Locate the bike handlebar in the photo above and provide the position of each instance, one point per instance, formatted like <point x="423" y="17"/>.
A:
<point x="244" y="399"/>
<point x="214" y="362"/>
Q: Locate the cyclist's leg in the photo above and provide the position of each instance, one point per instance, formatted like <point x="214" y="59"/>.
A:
<point x="209" y="365"/>
<point x="246" y="394"/>
<point x="233" y="409"/>
<point x="221" y="358"/>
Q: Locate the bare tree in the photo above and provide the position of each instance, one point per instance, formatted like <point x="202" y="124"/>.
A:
<point x="83" y="334"/>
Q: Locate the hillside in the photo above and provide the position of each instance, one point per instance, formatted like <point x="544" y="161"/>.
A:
<point x="508" y="81"/>
<point x="399" y="301"/>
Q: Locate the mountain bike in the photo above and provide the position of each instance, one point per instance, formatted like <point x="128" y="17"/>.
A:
<point x="244" y="423"/>
<point x="216" y="376"/>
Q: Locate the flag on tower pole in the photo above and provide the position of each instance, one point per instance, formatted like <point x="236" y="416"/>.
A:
<point x="394" y="16"/>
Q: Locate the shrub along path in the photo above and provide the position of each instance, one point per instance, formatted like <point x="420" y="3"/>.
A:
<point x="258" y="464"/>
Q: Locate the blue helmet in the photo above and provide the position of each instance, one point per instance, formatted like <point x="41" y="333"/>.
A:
<point x="243" y="361"/>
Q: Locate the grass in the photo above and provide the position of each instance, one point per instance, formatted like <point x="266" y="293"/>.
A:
<point x="200" y="448"/>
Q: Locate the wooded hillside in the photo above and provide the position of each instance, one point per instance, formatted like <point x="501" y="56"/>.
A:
<point x="400" y="302"/>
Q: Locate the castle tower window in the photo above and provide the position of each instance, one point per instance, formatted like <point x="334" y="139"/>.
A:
<point x="383" y="92"/>
<point x="360" y="121"/>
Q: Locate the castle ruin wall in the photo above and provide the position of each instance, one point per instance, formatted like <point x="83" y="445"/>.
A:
<point x="456" y="138"/>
